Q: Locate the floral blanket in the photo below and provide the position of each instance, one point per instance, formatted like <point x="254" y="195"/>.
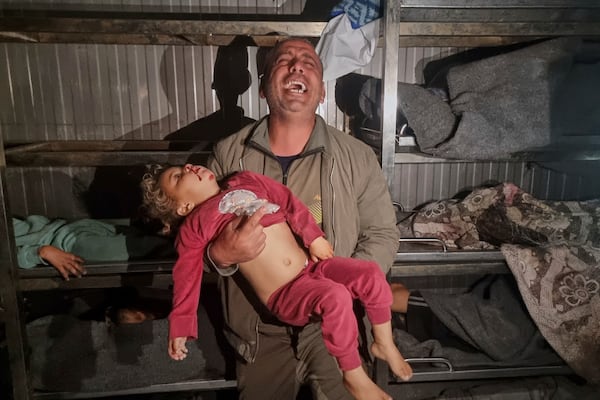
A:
<point x="552" y="249"/>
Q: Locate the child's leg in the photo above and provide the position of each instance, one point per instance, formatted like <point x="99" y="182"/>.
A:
<point x="366" y="281"/>
<point x="332" y="302"/>
<point x="362" y="387"/>
<point x="307" y="297"/>
<point x="384" y="348"/>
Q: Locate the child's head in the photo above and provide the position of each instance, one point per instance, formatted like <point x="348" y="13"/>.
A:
<point x="172" y="192"/>
<point x="126" y="315"/>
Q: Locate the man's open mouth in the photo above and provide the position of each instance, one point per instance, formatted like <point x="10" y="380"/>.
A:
<point x="296" y="86"/>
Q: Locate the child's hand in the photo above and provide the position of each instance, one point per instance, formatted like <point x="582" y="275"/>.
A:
<point x="177" y="349"/>
<point x="65" y="263"/>
<point x="320" y="249"/>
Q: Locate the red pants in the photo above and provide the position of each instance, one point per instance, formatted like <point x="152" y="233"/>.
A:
<point x="326" y="290"/>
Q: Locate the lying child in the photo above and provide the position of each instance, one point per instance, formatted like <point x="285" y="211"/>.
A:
<point x="293" y="287"/>
<point x="67" y="245"/>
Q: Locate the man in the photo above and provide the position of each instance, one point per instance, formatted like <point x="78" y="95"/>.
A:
<point x="339" y="179"/>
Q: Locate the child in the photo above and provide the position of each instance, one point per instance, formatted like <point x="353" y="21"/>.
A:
<point x="293" y="287"/>
<point x="66" y="245"/>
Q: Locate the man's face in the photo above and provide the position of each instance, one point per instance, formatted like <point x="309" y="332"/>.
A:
<point x="295" y="79"/>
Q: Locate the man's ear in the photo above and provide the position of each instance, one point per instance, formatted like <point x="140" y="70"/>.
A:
<point x="184" y="209"/>
<point x="322" y="92"/>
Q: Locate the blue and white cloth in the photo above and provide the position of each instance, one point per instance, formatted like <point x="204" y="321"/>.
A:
<point x="360" y="12"/>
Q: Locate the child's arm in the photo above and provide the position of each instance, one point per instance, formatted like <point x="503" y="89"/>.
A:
<point x="187" y="279"/>
<point x="177" y="349"/>
<point x="320" y="249"/>
<point x="64" y="262"/>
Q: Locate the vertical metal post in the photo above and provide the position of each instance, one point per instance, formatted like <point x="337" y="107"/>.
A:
<point x="10" y="300"/>
<point x="390" y="87"/>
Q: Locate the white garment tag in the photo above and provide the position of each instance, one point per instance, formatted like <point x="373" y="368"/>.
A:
<point x="244" y="202"/>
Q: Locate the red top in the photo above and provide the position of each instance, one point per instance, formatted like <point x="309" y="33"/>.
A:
<point x="205" y="222"/>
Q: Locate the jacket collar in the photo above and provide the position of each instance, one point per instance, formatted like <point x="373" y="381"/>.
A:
<point x="318" y="141"/>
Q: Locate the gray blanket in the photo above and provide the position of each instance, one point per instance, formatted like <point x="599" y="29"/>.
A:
<point x="492" y="319"/>
<point x="70" y="354"/>
<point x="507" y="103"/>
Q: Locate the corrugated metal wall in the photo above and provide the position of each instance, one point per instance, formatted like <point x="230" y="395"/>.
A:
<point x="70" y="91"/>
<point x="419" y="183"/>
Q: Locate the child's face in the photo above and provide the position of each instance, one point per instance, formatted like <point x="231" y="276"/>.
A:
<point x="189" y="186"/>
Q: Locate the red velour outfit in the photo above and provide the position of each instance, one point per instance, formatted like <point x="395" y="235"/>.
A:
<point x="323" y="290"/>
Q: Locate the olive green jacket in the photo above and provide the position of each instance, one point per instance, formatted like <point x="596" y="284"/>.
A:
<point x="357" y="213"/>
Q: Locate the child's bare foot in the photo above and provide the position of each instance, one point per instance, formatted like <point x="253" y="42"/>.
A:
<point x="361" y="387"/>
<point x="392" y="356"/>
<point x="384" y="348"/>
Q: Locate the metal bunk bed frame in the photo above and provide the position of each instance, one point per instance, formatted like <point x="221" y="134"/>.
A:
<point x="407" y="23"/>
<point x="469" y="23"/>
<point x="427" y="260"/>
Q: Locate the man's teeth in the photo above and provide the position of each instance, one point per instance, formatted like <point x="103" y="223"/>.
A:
<point x="296" y="86"/>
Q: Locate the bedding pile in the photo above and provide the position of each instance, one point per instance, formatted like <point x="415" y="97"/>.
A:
<point x="510" y="102"/>
<point x="552" y="249"/>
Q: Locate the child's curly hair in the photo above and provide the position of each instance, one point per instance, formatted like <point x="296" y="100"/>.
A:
<point x="156" y="203"/>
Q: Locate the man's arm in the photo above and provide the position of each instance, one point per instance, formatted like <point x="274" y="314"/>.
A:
<point x="241" y="240"/>
<point x="378" y="239"/>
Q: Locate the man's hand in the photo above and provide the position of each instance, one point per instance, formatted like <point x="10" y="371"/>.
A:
<point x="240" y="241"/>
<point x="320" y="249"/>
<point x="65" y="263"/>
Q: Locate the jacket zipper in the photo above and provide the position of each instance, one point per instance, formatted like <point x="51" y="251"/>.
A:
<point x="257" y="340"/>
<point x="284" y="181"/>
<point x="332" y="206"/>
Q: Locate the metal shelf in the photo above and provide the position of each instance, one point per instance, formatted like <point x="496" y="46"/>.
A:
<point x="156" y="28"/>
<point x="448" y="373"/>
<point x="100" y="275"/>
<point x="214" y="383"/>
<point x="104" y="153"/>
<point x="424" y="23"/>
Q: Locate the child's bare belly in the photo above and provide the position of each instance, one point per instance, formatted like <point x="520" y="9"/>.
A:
<point x="279" y="263"/>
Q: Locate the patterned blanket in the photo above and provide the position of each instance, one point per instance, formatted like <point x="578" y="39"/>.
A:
<point x="552" y="249"/>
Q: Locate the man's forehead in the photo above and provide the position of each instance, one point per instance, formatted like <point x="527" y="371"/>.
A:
<point x="294" y="48"/>
<point x="297" y="45"/>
